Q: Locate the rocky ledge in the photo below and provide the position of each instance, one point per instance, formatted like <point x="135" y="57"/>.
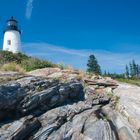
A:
<point x="54" y="104"/>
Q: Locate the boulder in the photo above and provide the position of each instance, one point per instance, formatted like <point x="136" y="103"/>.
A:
<point x="98" y="130"/>
<point x="44" y="72"/>
<point x="39" y="99"/>
<point x="101" y="82"/>
<point x="96" y="97"/>
<point x="52" y="97"/>
<point x="55" y="75"/>
<point x="55" y="118"/>
<point x="72" y="127"/>
<point x="35" y="84"/>
<point x="10" y="75"/>
<point x="10" y="96"/>
<point x="20" y="129"/>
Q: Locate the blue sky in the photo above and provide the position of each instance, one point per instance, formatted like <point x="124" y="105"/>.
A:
<point x="69" y="30"/>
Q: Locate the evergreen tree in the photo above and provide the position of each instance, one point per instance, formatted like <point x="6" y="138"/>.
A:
<point x="108" y="73"/>
<point x="93" y="66"/>
<point x="105" y="73"/>
<point x="131" y="69"/>
<point x="137" y="70"/>
<point x="134" y="68"/>
<point x="127" y="71"/>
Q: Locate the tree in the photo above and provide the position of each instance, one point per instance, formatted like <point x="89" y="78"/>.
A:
<point x="137" y="70"/>
<point x="131" y="69"/>
<point x="127" y="71"/>
<point x="93" y="66"/>
<point x="134" y="67"/>
<point x="105" y="73"/>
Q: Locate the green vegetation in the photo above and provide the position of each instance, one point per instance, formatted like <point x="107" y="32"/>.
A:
<point x="93" y="66"/>
<point x="62" y="66"/>
<point x="21" y="62"/>
<point x="12" y="66"/>
<point x="7" y="57"/>
<point x="113" y="75"/>
<point x="133" y="70"/>
<point x="129" y="81"/>
<point x="124" y="79"/>
<point x="131" y="74"/>
<point x="35" y="63"/>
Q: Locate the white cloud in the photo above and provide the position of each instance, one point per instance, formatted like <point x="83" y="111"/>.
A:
<point x="45" y="47"/>
<point x="29" y="8"/>
<point x="110" y="61"/>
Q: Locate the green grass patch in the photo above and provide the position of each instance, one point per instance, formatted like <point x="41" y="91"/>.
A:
<point x="130" y="81"/>
<point x="21" y="62"/>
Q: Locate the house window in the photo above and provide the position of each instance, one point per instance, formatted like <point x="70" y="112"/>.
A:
<point x="9" y="42"/>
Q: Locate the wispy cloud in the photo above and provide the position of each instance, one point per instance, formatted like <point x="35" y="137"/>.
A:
<point x="110" y="61"/>
<point x="43" y="47"/>
<point x="29" y="8"/>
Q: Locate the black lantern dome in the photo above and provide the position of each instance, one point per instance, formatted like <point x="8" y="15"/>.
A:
<point x="12" y="24"/>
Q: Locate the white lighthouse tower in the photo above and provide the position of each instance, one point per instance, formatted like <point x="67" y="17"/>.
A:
<point x="12" y="33"/>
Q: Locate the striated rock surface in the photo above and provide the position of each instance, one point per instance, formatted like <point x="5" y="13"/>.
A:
<point x="52" y="97"/>
<point x="129" y="105"/>
<point x="55" y="104"/>
<point x="19" y="129"/>
<point x="10" y="96"/>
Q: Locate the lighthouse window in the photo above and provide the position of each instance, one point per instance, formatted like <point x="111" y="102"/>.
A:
<point x="9" y="42"/>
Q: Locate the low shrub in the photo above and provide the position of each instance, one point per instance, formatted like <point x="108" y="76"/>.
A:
<point x="62" y="66"/>
<point x="34" y="63"/>
<point x="12" y="67"/>
<point x="21" y="62"/>
<point x="6" y="57"/>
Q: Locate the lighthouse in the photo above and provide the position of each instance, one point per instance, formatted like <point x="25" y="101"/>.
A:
<point x="12" y="34"/>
